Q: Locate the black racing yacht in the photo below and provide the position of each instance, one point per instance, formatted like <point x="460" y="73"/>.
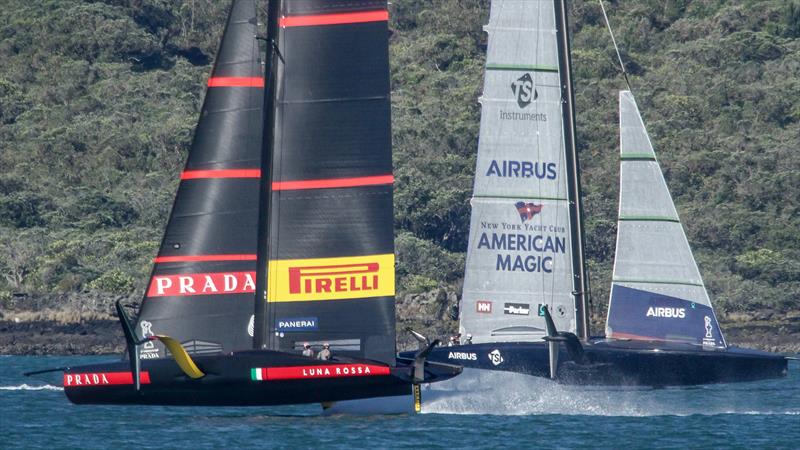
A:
<point x="281" y="233"/>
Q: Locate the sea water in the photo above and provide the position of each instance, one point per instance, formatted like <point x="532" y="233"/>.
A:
<point x="492" y="410"/>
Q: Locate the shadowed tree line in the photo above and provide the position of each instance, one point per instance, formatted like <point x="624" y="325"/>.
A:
<point x="98" y="101"/>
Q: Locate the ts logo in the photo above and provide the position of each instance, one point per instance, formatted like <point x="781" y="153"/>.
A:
<point x="524" y="91"/>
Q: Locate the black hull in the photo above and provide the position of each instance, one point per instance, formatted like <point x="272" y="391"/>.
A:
<point x="621" y="363"/>
<point x="229" y="381"/>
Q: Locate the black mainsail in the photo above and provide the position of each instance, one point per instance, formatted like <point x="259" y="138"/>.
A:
<point x="202" y="286"/>
<point x="329" y="242"/>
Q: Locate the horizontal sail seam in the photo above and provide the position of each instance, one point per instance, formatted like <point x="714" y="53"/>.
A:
<point x="207" y="112"/>
<point x="521" y="197"/>
<point x="332" y="100"/>
<point x="649" y="219"/>
<point x="636" y="337"/>
<point x="644" y="281"/>
<point x="334" y="19"/>
<point x="530" y="68"/>
<point x="204" y="258"/>
<point x="637" y="156"/>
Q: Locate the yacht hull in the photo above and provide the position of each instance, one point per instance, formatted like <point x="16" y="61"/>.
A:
<point x="253" y="378"/>
<point x="621" y="363"/>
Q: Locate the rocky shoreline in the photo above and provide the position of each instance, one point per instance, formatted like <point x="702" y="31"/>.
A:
<point x="94" y="331"/>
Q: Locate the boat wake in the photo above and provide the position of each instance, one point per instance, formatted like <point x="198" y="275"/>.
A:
<point x="27" y="387"/>
<point x="502" y="393"/>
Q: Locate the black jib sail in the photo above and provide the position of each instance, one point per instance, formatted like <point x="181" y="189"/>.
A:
<point x="201" y="291"/>
<point x="330" y="250"/>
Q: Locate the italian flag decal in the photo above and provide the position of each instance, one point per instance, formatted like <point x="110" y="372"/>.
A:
<point x="257" y="374"/>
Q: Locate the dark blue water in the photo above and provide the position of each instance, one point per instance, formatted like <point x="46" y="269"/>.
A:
<point x="515" y="412"/>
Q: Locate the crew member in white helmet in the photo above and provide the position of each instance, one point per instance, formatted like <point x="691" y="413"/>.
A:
<point x="325" y="353"/>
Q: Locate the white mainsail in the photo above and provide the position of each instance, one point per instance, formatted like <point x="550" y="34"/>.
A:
<point x="657" y="292"/>
<point x="520" y="247"/>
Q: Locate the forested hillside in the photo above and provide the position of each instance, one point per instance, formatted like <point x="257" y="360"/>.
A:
<point x="98" y="100"/>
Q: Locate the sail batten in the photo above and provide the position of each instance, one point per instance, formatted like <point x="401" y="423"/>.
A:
<point x="657" y="292"/>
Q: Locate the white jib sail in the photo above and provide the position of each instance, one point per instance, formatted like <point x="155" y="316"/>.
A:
<point x="657" y="292"/>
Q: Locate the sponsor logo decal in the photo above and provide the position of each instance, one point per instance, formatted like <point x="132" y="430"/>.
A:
<point x="307" y="372"/>
<point x="560" y="310"/>
<point x="666" y="313"/>
<point x="463" y="356"/>
<point x="149" y="349"/>
<point x="495" y="357"/>
<point x="524" y="91"/>
<point x="202" y="284"/>
<point x="103" y="379"/>
<point x="523" y="247"/>
<point x="483" y="306"/>
<point x="331" y="278"/>
<point x="522" y="169"/>
<point x="527" y="264"/>
<point x="297" y="324"/>
<point x="517" y="242"/>
<point x="527" y="210"/>
<point x="251" y="325"/>
<point x="708" y="339"/>
<point x="517" y="309"/>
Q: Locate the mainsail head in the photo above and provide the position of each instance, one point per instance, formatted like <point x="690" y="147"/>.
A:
<point x="521" y="253"/>
<point x="202" y="287"/>
<point x="657" y="292"/>
<point x="330" y="247"/>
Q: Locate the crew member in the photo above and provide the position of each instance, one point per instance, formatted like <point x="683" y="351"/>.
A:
<point x="452" y="341"/>
<point x="468" y="339"/>
<point x="325" y="353"/>
<point x="307" y="350"/>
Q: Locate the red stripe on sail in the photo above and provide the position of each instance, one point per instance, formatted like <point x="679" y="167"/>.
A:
<point x="331" y="183"/>
<point x="256" y="82"/>
<point x="335" y="19"/>
<point x="103" y="378"/>
<point x="226" y="173"/>
<point x="203" y="258"/>
<point x="328" y="371"/>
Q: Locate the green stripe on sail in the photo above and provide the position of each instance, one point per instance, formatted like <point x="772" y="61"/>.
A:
<point x="521" y="197"/>
<point x="640" y="280"/>
<point x="637" y="157"/>
<point x="649" y="219"/>
<point x="519" y="67"/>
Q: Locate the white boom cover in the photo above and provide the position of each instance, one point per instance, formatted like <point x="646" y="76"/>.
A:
<point x="657" y="292"/>
<point x="519" y="255"/>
